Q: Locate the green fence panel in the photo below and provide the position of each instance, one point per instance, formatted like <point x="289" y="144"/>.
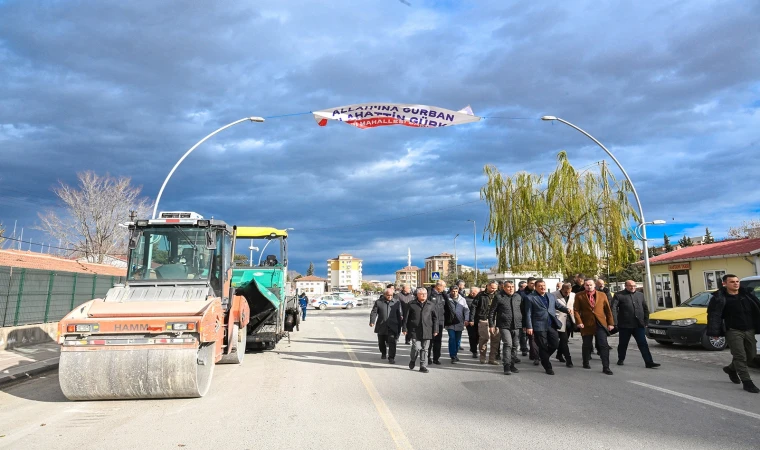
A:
<point x="29" y="296"/>
<point x="49" y="293"/>
<point x="60" y="297"/>
<point x="7" y="296"/>
<point x="33" y="296"/>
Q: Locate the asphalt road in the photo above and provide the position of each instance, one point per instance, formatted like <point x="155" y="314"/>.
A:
<point x="328" y="388"/>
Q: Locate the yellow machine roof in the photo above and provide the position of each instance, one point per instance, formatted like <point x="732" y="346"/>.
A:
<point x="260" y="232"/>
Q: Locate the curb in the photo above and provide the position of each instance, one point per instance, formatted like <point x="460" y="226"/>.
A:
<point x="29" y="370"/>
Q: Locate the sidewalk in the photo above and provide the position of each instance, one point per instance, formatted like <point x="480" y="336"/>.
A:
<point x="23" y="362"/>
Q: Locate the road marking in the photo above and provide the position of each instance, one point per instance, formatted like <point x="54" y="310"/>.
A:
<point x="699" y="400"/>
<point x="397" y="434"/>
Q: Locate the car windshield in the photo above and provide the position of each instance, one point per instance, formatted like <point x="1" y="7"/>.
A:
<point x="753" y="285"/>
<point x="700" y="300"/>
<point x="170" y="253"/>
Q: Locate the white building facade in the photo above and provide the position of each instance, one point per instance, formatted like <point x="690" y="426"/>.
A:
<point x="311" y="285"/>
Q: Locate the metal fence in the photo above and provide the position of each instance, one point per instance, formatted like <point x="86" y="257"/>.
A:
<point x="29" y="296"/>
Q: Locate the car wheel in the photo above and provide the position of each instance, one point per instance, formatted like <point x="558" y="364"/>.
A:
<point x="349" y="306"/>
<point x="322" y="307"/>
<point x="711" y="343"/>
<point x="663" y="342"/>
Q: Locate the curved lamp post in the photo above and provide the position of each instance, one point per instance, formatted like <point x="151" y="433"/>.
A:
<point x="160" y="192"/>
<point x="643" y="224"/>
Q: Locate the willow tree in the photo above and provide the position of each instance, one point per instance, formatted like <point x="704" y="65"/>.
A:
<point x="571" y="221"/>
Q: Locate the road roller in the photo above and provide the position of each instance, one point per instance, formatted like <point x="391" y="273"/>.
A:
<point x="160" y="334"/>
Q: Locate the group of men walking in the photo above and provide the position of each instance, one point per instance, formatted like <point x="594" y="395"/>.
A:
<point x="529" y="319"/>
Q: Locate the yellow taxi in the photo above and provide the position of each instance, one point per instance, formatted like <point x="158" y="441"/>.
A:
<point x="685" y="324"/>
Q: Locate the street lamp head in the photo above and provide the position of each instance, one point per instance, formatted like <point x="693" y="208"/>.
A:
<point x="456" y="236"/>
<point x="548" y="118"/>
<point x="256" y="119"/>
<point x="470" y="220"/>
<point x="658" y="222"/>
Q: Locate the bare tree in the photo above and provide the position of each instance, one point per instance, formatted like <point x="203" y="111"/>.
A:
<point x="89" y="225"/>
<point x="2" y="232"/>
<point x="748" y="229"/>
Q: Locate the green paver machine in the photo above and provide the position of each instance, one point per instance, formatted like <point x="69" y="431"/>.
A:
<point x="273" y="312"/>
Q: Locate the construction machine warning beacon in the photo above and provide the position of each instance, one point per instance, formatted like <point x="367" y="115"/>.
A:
<point x="161" y="333"/>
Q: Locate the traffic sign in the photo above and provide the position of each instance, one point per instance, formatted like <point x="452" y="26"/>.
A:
<point x="435" y="276"/>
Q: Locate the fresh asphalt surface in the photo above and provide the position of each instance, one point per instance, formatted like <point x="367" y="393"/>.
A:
<point x="328" y="388"/>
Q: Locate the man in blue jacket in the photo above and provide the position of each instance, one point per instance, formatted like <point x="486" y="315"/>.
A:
<point x="303" y="302"/>
<point x="541" y="321"/>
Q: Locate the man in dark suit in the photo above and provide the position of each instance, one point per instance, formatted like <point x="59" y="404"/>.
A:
<point x="386" y="317"/>
<point x="406" y="296"/>
<point x="541" y="321"/>
<point x="631" y="314"/>
<point x="421" y="322"/>
<point x="440" y="299"/>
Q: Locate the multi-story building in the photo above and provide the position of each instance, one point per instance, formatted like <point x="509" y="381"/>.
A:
<point x="344" y="272"/>
<point x="311" y="285"/>
<point x="442" y="263"/>
<point x="407" y="275"/>
<point x="422" y="277"/>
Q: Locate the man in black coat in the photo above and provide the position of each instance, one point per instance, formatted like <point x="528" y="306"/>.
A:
<point x="736" y="312"/>
<point x="472" y="328"/>
<point x="529" y="339"/>
<point x="481" y="306"/>
<point x="631" y="313"/>
<point x="421" y="323"/>
<point x="506" y="315"/>
<point x="440" y="299"/>
<point x="386" y="317"/>
<point x="406" y="296"/>
<point x="578" y="285"/>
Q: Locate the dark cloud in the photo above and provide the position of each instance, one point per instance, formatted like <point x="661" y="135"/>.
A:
<point x="127" y="87"/>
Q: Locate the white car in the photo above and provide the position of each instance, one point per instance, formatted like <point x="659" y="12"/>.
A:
<point x="333" y="301"/>
<point x="349" y="296"/>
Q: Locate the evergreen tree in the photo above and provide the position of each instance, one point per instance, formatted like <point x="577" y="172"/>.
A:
<point x="709" y="239"/>
<point x="685" y="242"/>
<point x="666" y="244"/>
<point x="310" y="270"/>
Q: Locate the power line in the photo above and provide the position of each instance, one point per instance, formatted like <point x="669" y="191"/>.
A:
<point x="389" y="220"/>
<point x="43" y="245"/>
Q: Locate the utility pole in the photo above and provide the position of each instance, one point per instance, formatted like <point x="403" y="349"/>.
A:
<point x="456" y="260"/>
<point x="475" y="247"/>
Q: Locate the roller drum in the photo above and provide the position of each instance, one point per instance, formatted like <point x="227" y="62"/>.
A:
<point x="106" y="374"/>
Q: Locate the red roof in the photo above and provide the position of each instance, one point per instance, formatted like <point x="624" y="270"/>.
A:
<point x="409" y="269"/>
<point x="310" y="278"/>
<point x="41" y="261"/>
<point x="739" y="247"/>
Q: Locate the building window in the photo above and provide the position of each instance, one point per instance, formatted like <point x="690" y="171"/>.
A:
<point x="663" y="290"/>
<point x="713" y="279"/>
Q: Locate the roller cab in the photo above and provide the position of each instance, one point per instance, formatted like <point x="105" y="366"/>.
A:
<point x="160" y="334"/>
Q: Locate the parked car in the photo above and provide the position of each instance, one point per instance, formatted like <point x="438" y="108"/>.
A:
<point x="685" y="324"/>
<point x="332" y="301"/>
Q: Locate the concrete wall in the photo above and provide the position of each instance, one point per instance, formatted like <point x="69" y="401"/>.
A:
<point x="26" y="335"/>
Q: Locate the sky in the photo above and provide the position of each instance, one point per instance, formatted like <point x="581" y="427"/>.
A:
<point x="672" y="88"/>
